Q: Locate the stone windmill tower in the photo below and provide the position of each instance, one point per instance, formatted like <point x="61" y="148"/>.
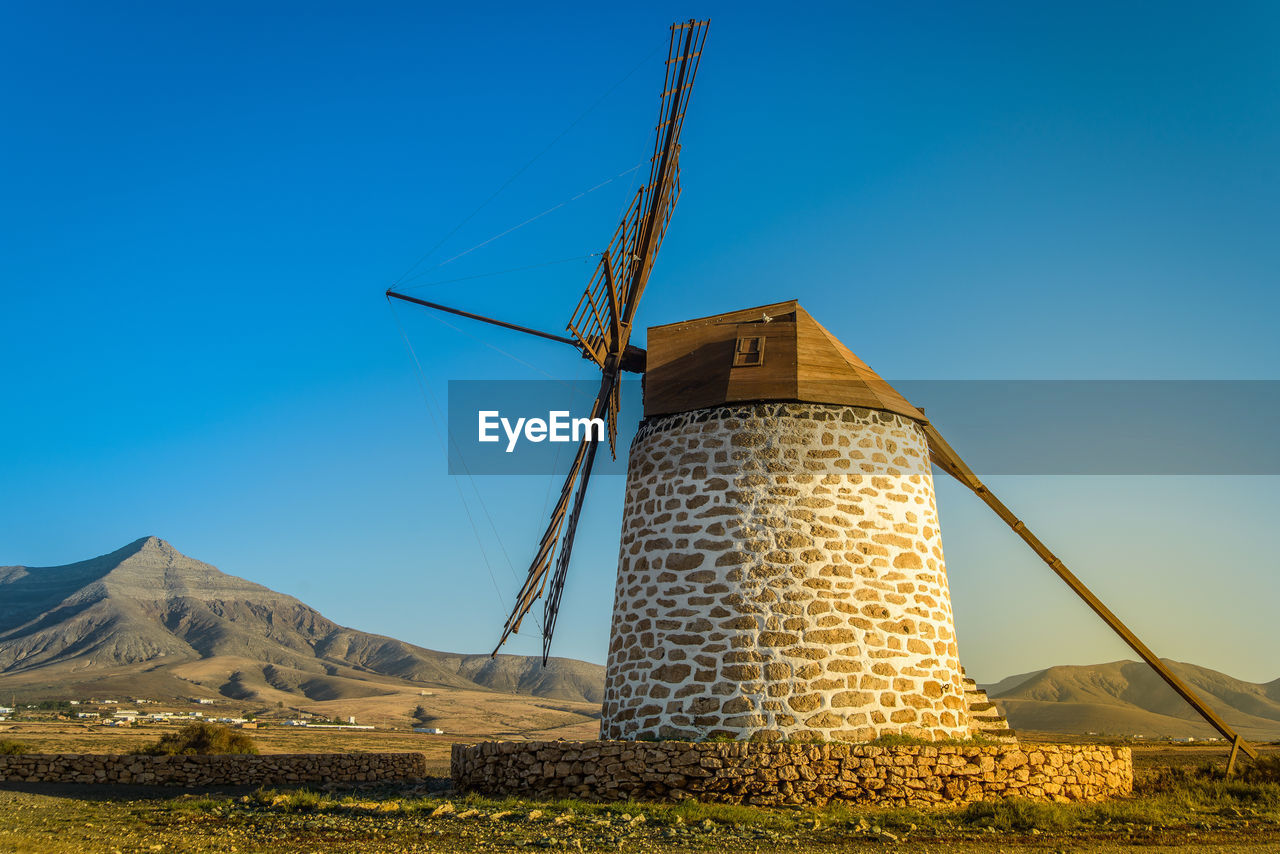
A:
<point x="781" y="569"/>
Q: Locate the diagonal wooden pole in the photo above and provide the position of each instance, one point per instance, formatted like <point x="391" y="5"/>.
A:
<point x="1235" y="751"/>
<point x="480" y="317"/>
<point x="949" y="461"/>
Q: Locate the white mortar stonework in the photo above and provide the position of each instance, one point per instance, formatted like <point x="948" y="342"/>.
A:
<point x="781" y="575"/>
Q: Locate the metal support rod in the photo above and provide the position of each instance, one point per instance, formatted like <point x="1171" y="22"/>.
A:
<point x="483" y="319"/>
<point x="949" y="461"/>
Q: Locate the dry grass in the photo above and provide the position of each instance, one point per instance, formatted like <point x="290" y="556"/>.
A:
<point x="1175" y="811"/>
<point x="70" y="738"/>
<point x="201" y="739"/>
<point x="9" y="747"/>
<point x="1177" y="808"/>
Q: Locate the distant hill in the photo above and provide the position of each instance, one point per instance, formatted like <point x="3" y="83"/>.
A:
<point x="1128" y="698"/>
<point x="148" y="620"/>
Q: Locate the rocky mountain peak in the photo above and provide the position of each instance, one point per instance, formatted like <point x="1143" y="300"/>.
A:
<point x="153" y="544"/>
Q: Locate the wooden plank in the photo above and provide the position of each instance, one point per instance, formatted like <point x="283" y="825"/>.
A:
<point x="744" y="315"/>
<point x="1235" y="753"/>
<point x="480" y="317"/>
<point x="831" y="373"/>
<point x="686" y="372"/>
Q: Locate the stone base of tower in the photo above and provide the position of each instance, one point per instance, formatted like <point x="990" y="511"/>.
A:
<point x="773" y="774"/>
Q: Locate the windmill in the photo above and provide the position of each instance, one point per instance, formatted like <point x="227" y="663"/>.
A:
<point x="773" y="579"/>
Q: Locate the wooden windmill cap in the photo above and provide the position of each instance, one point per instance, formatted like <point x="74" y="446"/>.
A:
<point x="770" y="352"/>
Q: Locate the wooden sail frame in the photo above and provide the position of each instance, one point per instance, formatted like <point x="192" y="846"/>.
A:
<point x="602" y="322"/>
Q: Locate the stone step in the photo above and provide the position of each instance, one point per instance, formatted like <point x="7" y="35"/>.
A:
<point x="985" y="717"/>
<point x="1001" y="735"/>
<point x="992" y="714"/>
<point x="988" y="724"/>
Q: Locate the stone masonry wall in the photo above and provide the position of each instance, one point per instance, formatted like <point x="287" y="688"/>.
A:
<point x="781" y="575"/>
<point x="778" y="774"/>
<point x="233" y="770"/>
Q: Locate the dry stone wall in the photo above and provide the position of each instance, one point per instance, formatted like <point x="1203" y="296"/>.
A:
<point x="775" y="774"/>
<point x="234" y="770"/>
<point x="781" y="575"/>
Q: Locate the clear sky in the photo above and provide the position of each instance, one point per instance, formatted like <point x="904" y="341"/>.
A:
<point x="201" y="206"/>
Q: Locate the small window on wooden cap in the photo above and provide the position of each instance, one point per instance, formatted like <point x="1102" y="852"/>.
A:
<point x="749" y="351"/>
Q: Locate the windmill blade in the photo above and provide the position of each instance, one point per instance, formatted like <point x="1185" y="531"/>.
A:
<point x="602" y="321"/>
<point x="949" y="461"/>
<point x="551" y="608"/>
<point x="596" y="323"/>
<point x="667" y="205"/>
<point x="683" y="58"/>
<point x="594" y="320"/>
<point x="536" y="579"/>
<point x="684" y="55"/>
<point x="663" y="205"/>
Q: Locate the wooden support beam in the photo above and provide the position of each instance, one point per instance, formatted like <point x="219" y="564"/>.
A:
<point x="1235" y="751"/>
<point x="480" y="317"/>
<point x="949" y="461"/>
<point x="615" y="309"/>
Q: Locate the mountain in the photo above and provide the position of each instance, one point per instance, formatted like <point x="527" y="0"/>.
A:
<point x="158" y="622"/>
<point x="1128" y="698"/>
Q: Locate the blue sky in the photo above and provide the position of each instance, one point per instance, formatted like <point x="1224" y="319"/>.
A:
<point x="202" y="206"/>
